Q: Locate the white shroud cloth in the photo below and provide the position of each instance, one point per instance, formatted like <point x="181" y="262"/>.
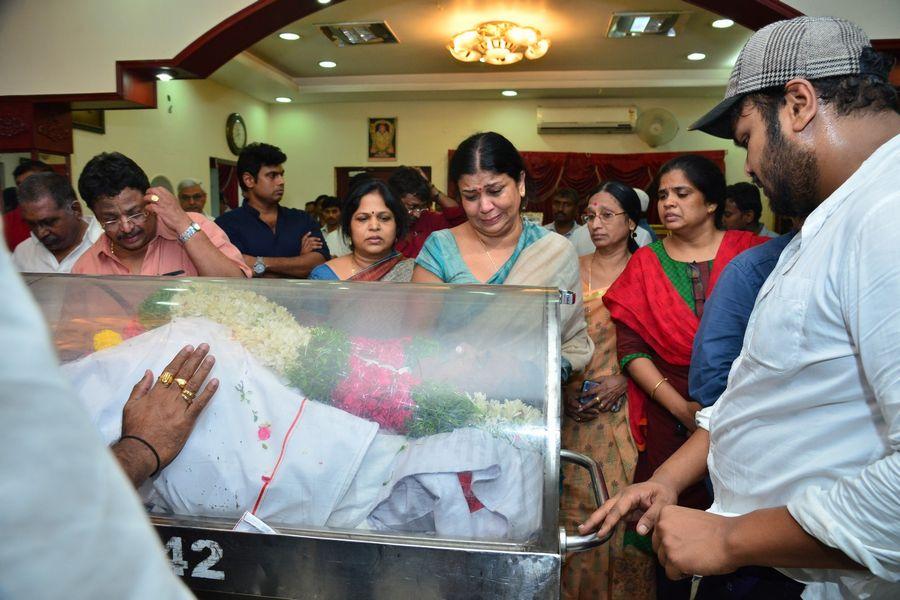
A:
<point x="238" y="437"/>
<point x="424" y="493"/>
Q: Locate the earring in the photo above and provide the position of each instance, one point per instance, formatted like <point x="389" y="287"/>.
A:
<point x="634" y="233"/>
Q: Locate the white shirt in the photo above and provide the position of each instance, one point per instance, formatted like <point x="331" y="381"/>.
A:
<point x="766" y="232"/>
<point x="811" y="416"/>
<point x="579" y="235"/>
<point x="71" y="525"/>
<point x="338" y="244"/>
<point x="31" y="256"/>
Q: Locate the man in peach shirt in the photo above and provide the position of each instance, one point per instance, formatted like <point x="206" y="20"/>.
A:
<point x="147" y="231"/>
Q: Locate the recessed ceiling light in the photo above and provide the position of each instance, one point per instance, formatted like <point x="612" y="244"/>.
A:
<point x="324" y="1"/>
<point x="510" y="93"/>
<point x="722" y="23"/>
<point x="289" y="36"/>
<point x="327" y="64"/>
<point x="283" y="99"/>
<point x="164" y="77"/>
<point x="696" y="56"/>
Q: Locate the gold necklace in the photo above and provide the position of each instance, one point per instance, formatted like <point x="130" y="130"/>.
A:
<point x="484" y="247"/>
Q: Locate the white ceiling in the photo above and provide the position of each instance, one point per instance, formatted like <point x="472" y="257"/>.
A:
<point x="581" y="63"/>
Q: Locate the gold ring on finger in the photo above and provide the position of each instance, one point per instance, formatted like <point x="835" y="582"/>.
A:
<point x="188" y="395"/>
<point x="154" y="198"/>
<point x="181" y="382"/>
<point x="166" y="378"/>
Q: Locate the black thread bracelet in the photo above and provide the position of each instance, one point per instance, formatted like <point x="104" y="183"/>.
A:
<point x="146" y="443"/>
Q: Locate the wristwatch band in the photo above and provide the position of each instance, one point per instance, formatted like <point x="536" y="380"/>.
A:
<point x="188" y="233"/>
<point x="259" y="267"/>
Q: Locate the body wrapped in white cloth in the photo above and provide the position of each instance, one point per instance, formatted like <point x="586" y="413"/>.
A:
<point x="261" y="446"/>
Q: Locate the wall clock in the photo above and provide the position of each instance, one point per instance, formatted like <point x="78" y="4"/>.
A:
<point x="235" y="133"/>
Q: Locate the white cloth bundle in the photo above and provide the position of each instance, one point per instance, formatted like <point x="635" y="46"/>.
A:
<point x="238" y="438"/>
<point x="424" y="493"/>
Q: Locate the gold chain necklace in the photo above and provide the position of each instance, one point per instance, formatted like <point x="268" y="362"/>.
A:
<point x="484" y="247"/>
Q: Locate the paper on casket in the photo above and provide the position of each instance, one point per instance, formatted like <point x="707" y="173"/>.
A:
<point x="238" y="437"/>
<point x="424" y="493"/>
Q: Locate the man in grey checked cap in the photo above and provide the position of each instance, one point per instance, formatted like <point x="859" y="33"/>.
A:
<point x="803" y="447"/>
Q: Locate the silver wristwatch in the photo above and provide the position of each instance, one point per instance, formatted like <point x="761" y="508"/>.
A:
<point x="259" y="267"/>
<point x="192" y="229"/>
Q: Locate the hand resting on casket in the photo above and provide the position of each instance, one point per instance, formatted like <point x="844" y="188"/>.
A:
<point x="160" y="417"/>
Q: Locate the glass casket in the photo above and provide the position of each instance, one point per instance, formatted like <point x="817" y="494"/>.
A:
<point x="367" y="440"/>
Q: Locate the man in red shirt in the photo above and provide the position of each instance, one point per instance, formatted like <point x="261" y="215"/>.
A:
<point x="14" y="227"/>
<point x="416" y="193"/>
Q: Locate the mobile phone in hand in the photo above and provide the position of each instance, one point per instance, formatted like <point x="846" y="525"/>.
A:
<point x="586" y="388"/>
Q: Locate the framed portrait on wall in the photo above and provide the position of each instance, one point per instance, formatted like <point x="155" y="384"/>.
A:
<point x="383" y="138"/>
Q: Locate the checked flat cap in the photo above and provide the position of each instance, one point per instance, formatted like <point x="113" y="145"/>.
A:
<point x="805" y="47"/>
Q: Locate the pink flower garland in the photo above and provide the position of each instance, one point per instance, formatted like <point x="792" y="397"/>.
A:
<point x="377" y="387"/>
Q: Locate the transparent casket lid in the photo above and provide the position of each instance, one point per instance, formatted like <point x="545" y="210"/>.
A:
<point x="410" y="410"/>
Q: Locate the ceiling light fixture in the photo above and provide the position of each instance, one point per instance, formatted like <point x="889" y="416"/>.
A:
<point x="498" y="43"/>
<point x="510" y="93"/>
<point x="327" y="64"/>
<point x="289" y="36"/>
<point x="324" y="1"/>
<point x="283" y="99"/>
<point x="696" y="56"/>
<point x="164" y="77"/>
<point x="722" y="23"/>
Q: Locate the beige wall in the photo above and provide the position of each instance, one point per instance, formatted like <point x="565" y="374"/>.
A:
<point x="66" y="46"/>
<point x="318" y="138"/>
<point x="178" y="138"/>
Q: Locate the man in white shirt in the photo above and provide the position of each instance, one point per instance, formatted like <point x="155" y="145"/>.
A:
<point x="803" y="447"/>
<point x="338" y="243"/>
<point x="192" y="196"/>
<point x="565" y="209"/>
<point x="60" y="233"/>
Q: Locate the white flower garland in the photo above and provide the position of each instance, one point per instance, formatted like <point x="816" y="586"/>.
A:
<point x="268" y="330"/>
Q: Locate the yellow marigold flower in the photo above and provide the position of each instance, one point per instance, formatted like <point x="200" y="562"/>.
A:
<point x="106" y="338"/>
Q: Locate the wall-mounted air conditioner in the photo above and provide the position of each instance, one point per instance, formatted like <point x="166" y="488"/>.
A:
<point x="586" y="119"/>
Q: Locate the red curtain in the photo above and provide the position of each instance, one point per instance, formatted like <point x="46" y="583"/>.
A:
<point x="549" y="171"/>
<point x="228" y="185"/>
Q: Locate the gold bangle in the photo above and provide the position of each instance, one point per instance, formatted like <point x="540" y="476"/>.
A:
<point x="656" y="387"/>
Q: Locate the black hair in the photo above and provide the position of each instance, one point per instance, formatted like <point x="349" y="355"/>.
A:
<point x="107" y="174"/>
<point x="703" y="175"/>
<point x="329" y="202"/>
<point x="488" y="151"/>
<point x="26" y="166"/>
<point x="746" y="197"/>
<point x="367" y="186"/>
<point x="568" y="194"/>
<point x="254" y="157"/>
<point x="627" y="199"/>
<point x="869" y="91"/>
<point x="52" y="185"/>
<point x="407" y="180"/>
<point x="321" y="198"/>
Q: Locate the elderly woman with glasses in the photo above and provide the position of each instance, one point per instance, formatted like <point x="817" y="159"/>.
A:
<point x="596" y="411"/>
<point x="147" y="230"/>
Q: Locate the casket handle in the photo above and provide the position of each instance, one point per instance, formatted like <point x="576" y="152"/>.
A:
<point x="580" y="543"/>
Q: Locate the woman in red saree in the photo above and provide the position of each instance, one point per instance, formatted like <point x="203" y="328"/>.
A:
<point x="656" y="305"/>
<point x="374" y="219"/>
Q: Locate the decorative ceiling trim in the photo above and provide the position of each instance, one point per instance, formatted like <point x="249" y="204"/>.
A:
<point x="648" y="78"/>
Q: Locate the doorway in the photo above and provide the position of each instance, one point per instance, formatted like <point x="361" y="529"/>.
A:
<point x="224" y="191"/>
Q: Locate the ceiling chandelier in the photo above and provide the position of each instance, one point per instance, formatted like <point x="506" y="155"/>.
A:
<point x="498" y="43"/>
